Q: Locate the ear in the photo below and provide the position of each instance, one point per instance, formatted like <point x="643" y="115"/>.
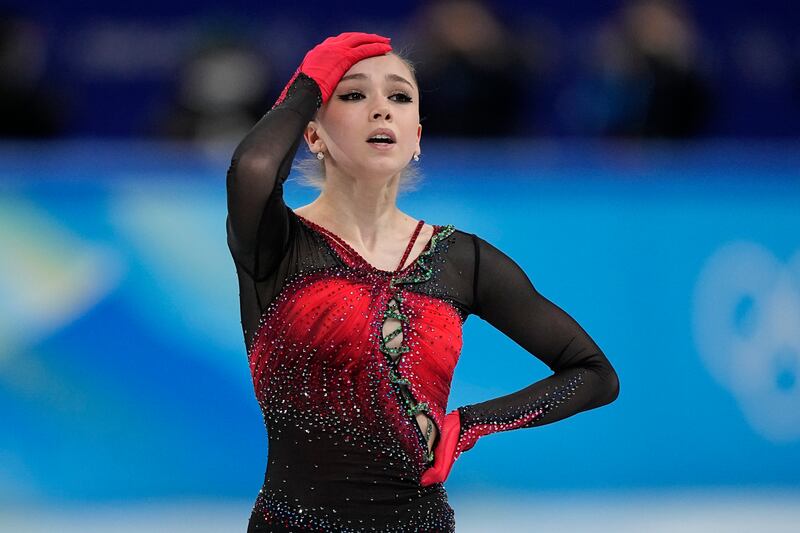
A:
<point x="312" y="138"/>
<point x="419" y="136"/>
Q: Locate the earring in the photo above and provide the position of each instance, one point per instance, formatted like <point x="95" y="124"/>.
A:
<point x="416" y="157"/>
<point x="320" y="156"/>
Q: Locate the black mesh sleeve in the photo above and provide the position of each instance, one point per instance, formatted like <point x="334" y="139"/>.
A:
<point x="257" y="222"/>
<point x="583" y="378"/>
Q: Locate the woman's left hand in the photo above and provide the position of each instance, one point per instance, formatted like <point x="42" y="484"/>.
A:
<point x="445" y="451"/>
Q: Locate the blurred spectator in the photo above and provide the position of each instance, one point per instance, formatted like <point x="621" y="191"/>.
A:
<point x="220" y="93"/>
<point x="645" y="80"/>
<point x="28" y="107"/>
<point x="470" y="74"/>
<point x="795" y="72"/>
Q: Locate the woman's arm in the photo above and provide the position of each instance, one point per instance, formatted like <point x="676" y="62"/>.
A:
<point x="583" y="378"/>
<point x="257" y="223"/>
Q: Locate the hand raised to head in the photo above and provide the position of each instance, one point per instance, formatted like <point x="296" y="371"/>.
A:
<point x="327" y="62"/>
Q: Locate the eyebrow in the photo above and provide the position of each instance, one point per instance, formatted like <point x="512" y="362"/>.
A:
<point x="390" y="77"/>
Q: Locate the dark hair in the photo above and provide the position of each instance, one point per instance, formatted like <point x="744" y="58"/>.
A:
<point x="311" y="171"/>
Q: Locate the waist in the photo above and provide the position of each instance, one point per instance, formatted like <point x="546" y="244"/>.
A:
<point x="340" y="466"/>
<point x="341" y="480"/>
<point x="277" y="509"/>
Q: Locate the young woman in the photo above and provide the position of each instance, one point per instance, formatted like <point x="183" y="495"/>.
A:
<point x="352" y="310"/>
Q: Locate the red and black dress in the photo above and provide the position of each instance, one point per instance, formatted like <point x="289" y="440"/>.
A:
<point x="352" y="364"/>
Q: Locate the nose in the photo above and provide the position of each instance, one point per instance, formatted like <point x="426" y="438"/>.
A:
<point x="382" y="111"/>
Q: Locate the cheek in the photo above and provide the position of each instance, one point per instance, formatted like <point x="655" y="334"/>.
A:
<point x="410" y="129"/>
<point x="337" y="123"/>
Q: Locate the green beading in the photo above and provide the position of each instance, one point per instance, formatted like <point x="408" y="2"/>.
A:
<point x="393" y="311"/>
<point x="427" y="270"/>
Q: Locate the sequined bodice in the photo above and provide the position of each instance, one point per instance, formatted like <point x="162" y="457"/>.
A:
<point x="395" y="320"/>
<point x="325" y="371"/>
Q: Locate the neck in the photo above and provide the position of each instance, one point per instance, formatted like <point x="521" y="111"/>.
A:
<point x="362" y="211"/>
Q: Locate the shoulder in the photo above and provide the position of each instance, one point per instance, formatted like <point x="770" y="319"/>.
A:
<point x="465" y="247"/>
<point x="445" y="230"/>
<point x="458" y="247"/>
<point x="486" y="253"/>
<point x="466" y="238"/>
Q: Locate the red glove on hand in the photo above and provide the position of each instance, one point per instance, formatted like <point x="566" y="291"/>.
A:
<point x="327" y="62"/>
<point x="445" y="452"/>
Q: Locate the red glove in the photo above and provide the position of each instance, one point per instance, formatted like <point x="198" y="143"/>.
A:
<point x="445" y="452"/>
<point x="327" y="62"/>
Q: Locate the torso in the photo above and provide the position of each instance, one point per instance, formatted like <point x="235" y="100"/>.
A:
<point x="388" y="250"/>
<point x="346" y="413"/>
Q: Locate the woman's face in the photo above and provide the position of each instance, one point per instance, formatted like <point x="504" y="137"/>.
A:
<point x="377" y="92"/>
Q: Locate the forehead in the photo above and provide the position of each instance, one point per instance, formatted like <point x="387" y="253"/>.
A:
<point x="377" y="67"/>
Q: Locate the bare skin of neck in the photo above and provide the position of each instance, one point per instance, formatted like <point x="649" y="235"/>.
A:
<point x="365" y="214"/>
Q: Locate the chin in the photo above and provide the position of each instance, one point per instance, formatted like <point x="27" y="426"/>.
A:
<point x="384" y="165"/>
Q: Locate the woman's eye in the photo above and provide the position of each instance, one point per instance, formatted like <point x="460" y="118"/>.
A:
<point x="355" y="95"/>
<point x="403" y="97"/>
<point x="351" y="96"/>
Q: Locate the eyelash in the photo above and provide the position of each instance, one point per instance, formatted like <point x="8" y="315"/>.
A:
<point x="345" y="97"/>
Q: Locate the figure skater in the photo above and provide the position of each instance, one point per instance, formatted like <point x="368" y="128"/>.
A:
<point x="352" y="310"/>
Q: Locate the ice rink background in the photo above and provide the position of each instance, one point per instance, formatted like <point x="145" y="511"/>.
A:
<point x="125" y="399"/>
<point x="125" y="395"/>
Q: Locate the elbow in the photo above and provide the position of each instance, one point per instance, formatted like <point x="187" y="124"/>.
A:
<point x="248" y="172"/>
<point x="614" y="389"/>
<point x="605" y="381"/>
<point x="608" y="388"/>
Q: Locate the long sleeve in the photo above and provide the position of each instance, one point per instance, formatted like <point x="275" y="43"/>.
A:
<point x="583" y="378"/>
<point x="257" y="222"/>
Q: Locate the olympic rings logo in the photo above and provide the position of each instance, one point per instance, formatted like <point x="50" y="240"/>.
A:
<point x="746" y="326"/>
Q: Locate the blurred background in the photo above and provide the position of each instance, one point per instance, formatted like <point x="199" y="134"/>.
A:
<point x="640" y="160"/>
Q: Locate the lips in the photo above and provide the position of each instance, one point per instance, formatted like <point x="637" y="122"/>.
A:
<point x="382" y="131"/>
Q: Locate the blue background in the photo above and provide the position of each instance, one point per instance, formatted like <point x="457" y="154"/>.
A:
<point x="126" y="401"/>
<point x="124" y="373"/>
